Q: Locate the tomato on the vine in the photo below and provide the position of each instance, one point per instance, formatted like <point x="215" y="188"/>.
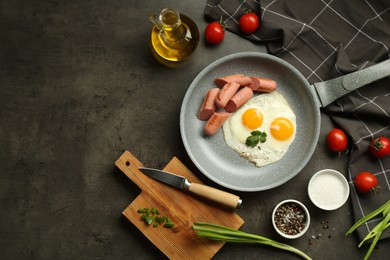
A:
<point x="214" y="33"/>
<point x="337" y="140"/>
<point x="249" y="22"/>
<point x="380" y="147"/>
<point x="366" y="182"/>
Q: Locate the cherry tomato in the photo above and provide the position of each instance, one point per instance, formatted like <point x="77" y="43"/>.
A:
<point x="249" y="22"/>
<point x="366" y="182"/>
<point x="337" y="140"/>
<point x="380" y="147"/>
<point x="214" y="33"/>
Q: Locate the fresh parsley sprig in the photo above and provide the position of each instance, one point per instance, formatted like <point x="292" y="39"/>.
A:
<point x="256" y="137"/>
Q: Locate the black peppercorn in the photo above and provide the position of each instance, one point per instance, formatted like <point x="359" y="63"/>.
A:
<point x="290" y="218"/>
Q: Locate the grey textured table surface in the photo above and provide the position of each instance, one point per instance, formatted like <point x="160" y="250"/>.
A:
<point x="78" y="86"/>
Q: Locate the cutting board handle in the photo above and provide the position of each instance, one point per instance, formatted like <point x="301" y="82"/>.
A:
<point x="129" y="165"/>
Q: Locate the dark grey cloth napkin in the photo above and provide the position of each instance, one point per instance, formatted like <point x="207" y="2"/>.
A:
<point x="325" y="39"/>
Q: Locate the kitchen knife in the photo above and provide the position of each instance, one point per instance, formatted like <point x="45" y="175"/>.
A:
<point x="219" y="196"/>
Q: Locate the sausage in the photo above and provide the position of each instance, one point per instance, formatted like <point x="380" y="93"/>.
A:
<point x="239" y="99"/>
<point x="262" y="84"/>
<point x="226" y="93"/>
<point x="238" y="78"/>
<point x="215" y="122"/>
<point x="208" y="106"/>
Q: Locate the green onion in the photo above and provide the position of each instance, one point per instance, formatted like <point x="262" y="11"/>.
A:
<point x="225" y="234"/>
<point x="168" y="225"/>
<point x="151" y="216"/>
<point x="377" y="231"/>
<point x="150" y="220"/>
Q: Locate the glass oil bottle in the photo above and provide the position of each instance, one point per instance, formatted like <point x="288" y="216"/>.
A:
<point x="174" y="36"/>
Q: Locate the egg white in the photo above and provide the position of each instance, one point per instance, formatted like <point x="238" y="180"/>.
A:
<point x="271" y="105"/>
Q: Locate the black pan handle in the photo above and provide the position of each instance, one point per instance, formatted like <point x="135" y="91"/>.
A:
<point x="329" y="91"/>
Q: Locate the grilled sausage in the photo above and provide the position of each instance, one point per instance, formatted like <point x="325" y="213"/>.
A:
<point x="262" y="84"/>
<point x="208" y="106"/>
<point x="215" y="122"/>
<point x="239" y="99"/>
<point x="238" y="78"/>
<point x="226" y="93"/>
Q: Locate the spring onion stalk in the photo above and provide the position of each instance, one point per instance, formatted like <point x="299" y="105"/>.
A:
<point x="377" y="231"/>
<point x="225" y="234"/>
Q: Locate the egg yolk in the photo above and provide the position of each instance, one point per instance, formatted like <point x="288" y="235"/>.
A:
<point x="252" y="118"/>
<point x="282" y="128"/>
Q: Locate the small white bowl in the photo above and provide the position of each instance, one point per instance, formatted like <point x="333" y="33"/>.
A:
<point x="328" y="189"/>
<point x="305" y="221"/>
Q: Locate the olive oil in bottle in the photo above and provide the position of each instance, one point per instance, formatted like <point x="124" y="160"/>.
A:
<point x="174" y="37"/>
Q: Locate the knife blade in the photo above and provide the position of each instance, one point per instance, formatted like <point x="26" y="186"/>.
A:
<point x="207" y="192"/>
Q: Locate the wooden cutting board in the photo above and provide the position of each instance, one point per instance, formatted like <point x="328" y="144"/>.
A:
<point x="183" y="208"/>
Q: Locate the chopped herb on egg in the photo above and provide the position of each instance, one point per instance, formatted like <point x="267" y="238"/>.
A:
<point x="255" y="138"/>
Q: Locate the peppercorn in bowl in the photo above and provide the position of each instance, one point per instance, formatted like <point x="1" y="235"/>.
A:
<point x="290" y="218"/>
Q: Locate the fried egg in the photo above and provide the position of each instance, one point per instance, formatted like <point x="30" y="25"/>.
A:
<point x="269" y="113"/>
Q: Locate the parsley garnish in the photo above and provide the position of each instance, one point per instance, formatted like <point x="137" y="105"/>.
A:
<point x="255" y="138"/>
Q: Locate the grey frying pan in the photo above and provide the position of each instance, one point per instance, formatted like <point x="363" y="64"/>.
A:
<point x="217" y="161"/>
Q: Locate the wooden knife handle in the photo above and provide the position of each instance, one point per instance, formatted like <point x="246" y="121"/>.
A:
<point x="219" y="196"/>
